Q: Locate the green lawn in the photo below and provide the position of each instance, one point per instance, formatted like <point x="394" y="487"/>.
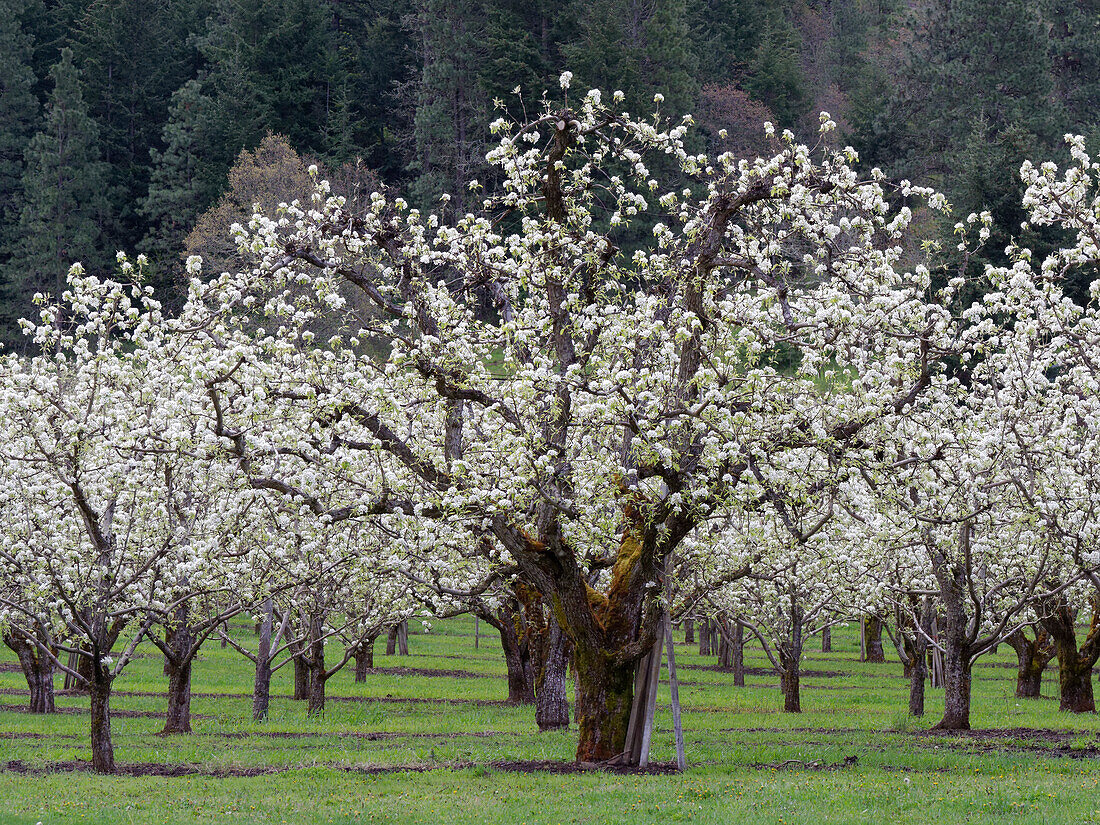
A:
<point x="445" y="734"/>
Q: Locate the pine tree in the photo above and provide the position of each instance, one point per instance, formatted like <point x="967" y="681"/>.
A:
<point x="776" y="76"/>
<point x="18" y="106"/>
<point x="451" y="110"/>
<point x="268" y="70"/>
<point x="182" y="185"/>
<point x="132" y="58"/>
<point x="65" y="206"/>
<point x="641" y="49"/>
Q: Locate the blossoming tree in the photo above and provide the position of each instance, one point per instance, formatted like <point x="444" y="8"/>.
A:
<point x="584" y="370"/>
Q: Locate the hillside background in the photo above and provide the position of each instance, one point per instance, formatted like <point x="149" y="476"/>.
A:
<point x="152" y="125"/>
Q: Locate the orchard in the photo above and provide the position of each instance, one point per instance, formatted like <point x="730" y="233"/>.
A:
<point x="638" y="387"/>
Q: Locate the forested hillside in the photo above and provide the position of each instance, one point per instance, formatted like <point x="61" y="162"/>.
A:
<point x="123" y="122"/>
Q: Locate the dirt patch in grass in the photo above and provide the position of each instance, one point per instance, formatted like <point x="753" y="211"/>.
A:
<point x="426" y="671"/>
<point x="373" y="736"/>
<point x="766" y="671"/>
<point x="1039" y="741"/>
<point x="115" y="712"/>
<point x="803" y="765"/>
<point x="20" y="767"/>
<point x="133" y="769"/>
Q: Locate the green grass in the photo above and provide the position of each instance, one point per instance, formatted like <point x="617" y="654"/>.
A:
<point x="314" y="772"/>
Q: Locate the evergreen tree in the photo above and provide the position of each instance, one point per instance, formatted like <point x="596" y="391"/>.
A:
<point x="449" y="133"/>
<point x="372" y="54"/>
<point x="775" y="74"/>
<point x="65" y="205"/>
<point x="132" y="58"/>
<point x="269" y="65"/>
<point x="725" y="34"/>
<point x="18" y="106"/>
<point x="639" y="48"/>
<point x="182" y="185"/>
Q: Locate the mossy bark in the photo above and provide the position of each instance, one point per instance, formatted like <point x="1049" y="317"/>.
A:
<point x="604" y="697"/>
<point x="873" y="635"/>
<point x="1075" y="662"/>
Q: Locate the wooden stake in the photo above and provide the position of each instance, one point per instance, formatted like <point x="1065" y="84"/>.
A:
<point x="651" y="700"/>
<point x="674" y="685"/>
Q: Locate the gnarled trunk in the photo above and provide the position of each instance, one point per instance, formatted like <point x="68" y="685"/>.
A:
<point x="1074" y="663"/>
<point x="37" y="669"/>
<point x="827" y="640"/>
<point x="605" y="692"/>
<point x="689" y="632"/>
<point x="1032" y="657"/>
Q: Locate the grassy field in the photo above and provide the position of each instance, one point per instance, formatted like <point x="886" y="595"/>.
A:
<point x="427" y="740"/>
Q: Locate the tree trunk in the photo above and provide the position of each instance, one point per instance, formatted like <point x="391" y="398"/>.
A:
<point x="689" y="632"/>
<point x="391" y="641"/>
<point x="82" y="664"/>
<point x="605" y="693"/>
<point x="918" y="670"/>
<point x="301" y="677"/>
<point x="704" y="638"/>
<point x="364" y="659"/>
<point x="1074" y="664"/>
<point x="521" y="686"/>
<point x="178" y="639"/>
<point x="1032" y="657"/>
<point x="551" y="698"/>
<point x="261" y="684"/>
<point x="103" y="752"/>
<point x="725" y="660"/>
<point x="788" y="683"/>
<point x="403" y="638"/>
<point x="1074" y="680"/>
<point x="261" y="689"/>
<point x="37" y="669"/>
<point x="873" y="635"/>
<point x="790" y="659"/>
<point x="827" y="640"/>
<point x="317" y="689"/>
<point x="956" y="683"/>
<point x="315" y="663"/>
<point x="737" y="654"/>
<point x="178" y="716"/>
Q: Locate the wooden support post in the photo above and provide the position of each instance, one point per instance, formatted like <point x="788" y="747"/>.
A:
<point x="651" y="700"/>
<point x="674" y="685"/>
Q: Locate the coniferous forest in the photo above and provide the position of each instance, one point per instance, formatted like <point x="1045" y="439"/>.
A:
<point x="152" y="125"/>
